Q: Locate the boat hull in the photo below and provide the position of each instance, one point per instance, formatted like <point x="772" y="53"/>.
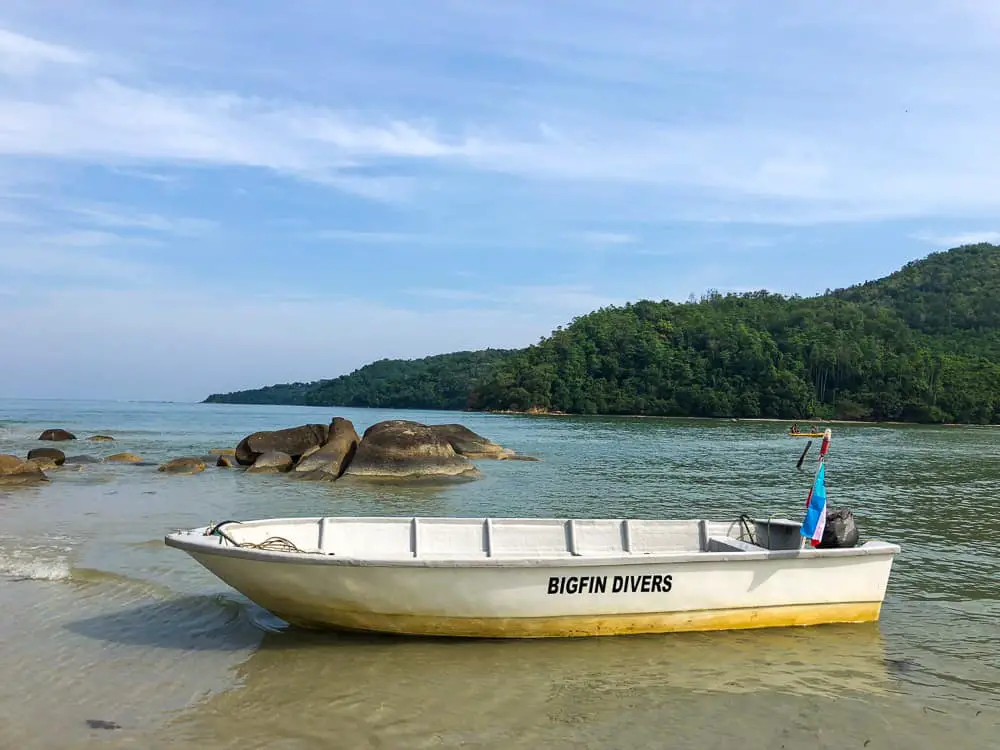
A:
<point x="699" y="592"/>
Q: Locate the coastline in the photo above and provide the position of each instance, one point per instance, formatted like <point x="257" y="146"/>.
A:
<point x="775" y="420"/>
<point x="536" y="412"/>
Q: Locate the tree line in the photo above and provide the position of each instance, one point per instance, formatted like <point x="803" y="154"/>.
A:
<point x="921" y="345"/>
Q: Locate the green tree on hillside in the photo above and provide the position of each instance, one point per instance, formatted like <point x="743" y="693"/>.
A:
<point x="922" y="345"/>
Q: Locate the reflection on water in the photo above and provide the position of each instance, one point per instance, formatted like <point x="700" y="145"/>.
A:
<point x="406" y="690"/>
<point x="368" y="691"/>
<point x="113" y="627"/>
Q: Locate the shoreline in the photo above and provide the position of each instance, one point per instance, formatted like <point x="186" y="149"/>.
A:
<point x="775" y="420"/>
<point x="556" y="413"/>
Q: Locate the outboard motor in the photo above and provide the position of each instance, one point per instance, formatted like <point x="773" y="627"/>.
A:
<point x="840" y="529"/>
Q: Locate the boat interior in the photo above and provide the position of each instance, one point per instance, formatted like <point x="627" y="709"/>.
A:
<point x="510" y="538"/>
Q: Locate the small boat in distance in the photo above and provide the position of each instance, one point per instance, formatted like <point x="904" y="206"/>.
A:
<point x="541" y="577"/>
<point x="814" y="432"/>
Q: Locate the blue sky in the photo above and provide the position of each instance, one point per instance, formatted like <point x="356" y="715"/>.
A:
<point x="196" y="198"/>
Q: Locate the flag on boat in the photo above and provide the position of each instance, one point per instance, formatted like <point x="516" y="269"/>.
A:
<point x="815" y="520"/>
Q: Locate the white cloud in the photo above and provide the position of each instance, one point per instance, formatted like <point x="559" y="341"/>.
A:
<point x="958" y="239"/>
<point x="23" y="56"/>
<point x="562" y="299"/>
<point x="374" y="237"/>
<point x="143" y="174"/>
<point x="796" y="133"/>
<point x="123" y="217"/>
<point x="58" y="261"/>
<point x="498" y="124"/>
<point x="605" y="238"/>
<point x="106" y="120"/>
<point x="835" y="145"/>
<point x="12" y="217"/>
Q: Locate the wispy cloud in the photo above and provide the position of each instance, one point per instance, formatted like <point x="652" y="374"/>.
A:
<point x="104" y="119"/>
<point x="947" y="240"/>
<point x="13" y="217"/>
<point x="24" y="56"/>
<point x="150" y="176"/>
<point x="604" y="238"/>
<point x="374" y="237"/>
<point x="559" y="156"/>
<point x="109" y="215"/>
<point x="572" y="299"/>
<point x="74" y="259"/>
<point x="738" y="168"/>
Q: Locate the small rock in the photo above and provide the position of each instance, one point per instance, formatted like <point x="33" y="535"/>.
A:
<point x="14" y="470"/>
<point x="101" y="439"/>
<point x="102" y="724"/>
<point x="44" y="462"/>
<point x="271" y="462"/>
<point x="226" y="462"/>
<point x="124" y="458"/>
<point x="54" y="454"/>
<point x="184" y="465"/>
<point x="82" y="460"/>
<point x="57" y="434"/>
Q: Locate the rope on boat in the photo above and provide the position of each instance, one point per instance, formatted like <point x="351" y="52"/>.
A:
<point x="271" y="544"/>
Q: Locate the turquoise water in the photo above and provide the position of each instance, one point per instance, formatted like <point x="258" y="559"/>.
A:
<point x="106" y="623"/>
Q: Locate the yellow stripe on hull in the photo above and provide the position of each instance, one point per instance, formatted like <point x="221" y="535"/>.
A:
<point x="806" y="434"/>
<point x="569" y="626"/>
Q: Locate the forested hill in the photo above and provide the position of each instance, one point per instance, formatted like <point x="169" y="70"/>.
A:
<point x="443" y="381"/>
<point x="954" y="295"/>
<point x="922" y="344"/>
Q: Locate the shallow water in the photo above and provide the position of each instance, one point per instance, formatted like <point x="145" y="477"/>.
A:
<point x="102" y="622"/>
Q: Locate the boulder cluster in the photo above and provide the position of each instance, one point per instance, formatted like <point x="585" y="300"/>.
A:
<point x="394" y="449"/>
<point x="31" y="469"/>
<point x="391" y="450"/>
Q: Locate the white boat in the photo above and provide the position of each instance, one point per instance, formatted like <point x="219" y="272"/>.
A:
<point x="526" y="578"/>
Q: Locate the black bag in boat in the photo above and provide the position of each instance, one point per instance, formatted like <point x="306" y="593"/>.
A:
<point x="840" y="529"/>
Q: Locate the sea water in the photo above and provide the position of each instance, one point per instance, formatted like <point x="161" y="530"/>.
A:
<point x="110" y="639"/>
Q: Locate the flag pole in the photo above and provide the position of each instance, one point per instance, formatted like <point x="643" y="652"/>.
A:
<point x="823" y="448"/>
<point x="814" y="522"/>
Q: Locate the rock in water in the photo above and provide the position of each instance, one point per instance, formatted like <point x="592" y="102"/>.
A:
<point x="271" y="462"/>
<point x="101" y="439"/>
<point x="43" y="462"/>
<point x="293" y="441"/>
<point x="400" y="449"/>
<point x="467" y="443"/>
<point x="57" y="434"/>
<point x="329" y="461"/>
<point x="222" y="452"/>
<point x="14" y="471"/>
<point x="226" y="462"/>
<point x="185" y="465"/>
<point x="56" y="455"/>
<point x="123" y="458"/>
